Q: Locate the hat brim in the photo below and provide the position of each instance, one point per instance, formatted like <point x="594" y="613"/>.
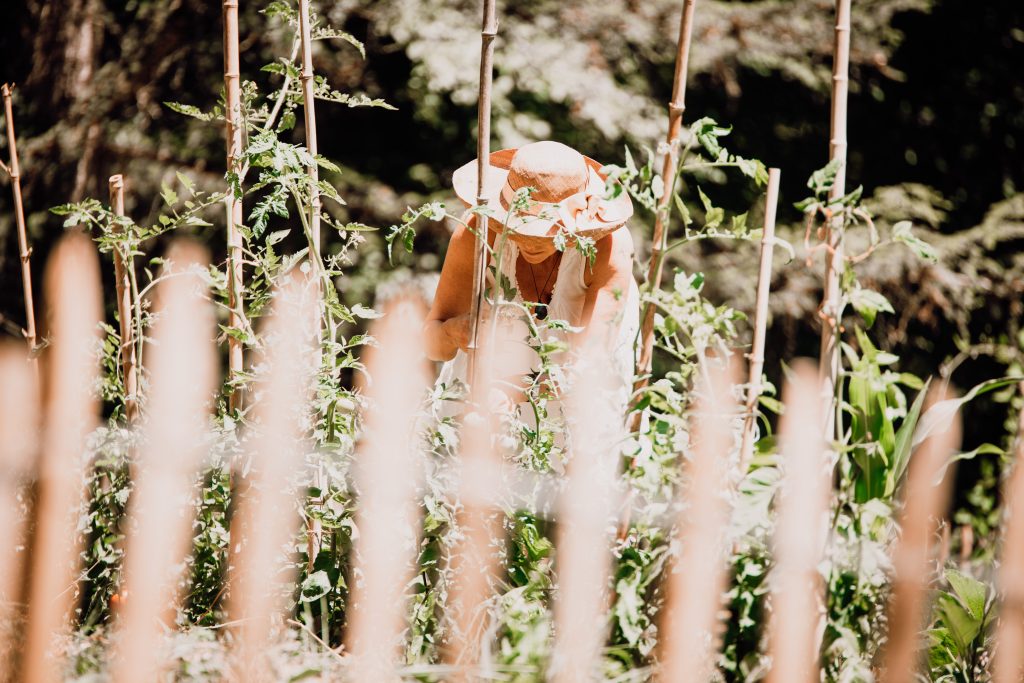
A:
<point x="611" y="215"/>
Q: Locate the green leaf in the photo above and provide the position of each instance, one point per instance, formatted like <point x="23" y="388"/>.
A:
<point x="904" y="442"/>
<point x="940" y="416"/>
<point x="436" y="211"/>
<point x="713" y="215"/>
<point x="739" y="223"/>
<point x="983" y="449"/>
<point x="361" y="311"/>
<point x="630" y="164"/>
<point x="316" y="585"/>
<point x="821" y="181"/>
<point x="901" y="232"/>
<point x="970" y="591"/>
<point x="189" y="110"/>
<point x="868" y="303"/>
<point x="170" y="197"/>
<point x="327" y="164"/>
<point x="186" y="182"/>
<point x="707" y="132"/>
<point x="962" y="627"/>
<point x="277" y="236"/>
<point x="657" y="187"/>
<point x="684" y="213"/>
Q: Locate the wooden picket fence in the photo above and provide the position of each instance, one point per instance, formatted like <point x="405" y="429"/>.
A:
<point x="42" y="439"/>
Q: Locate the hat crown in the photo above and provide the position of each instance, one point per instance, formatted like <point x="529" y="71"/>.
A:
<point x="554" y="170"/>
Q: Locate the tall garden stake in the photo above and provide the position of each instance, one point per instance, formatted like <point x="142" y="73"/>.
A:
<point x="123" y="263"/>
<point x="668" y="173"/>
<point x="764" y="283"/>
<point x="233" y="132"/>
<point x="309" y="109"/>
<point x="830" y="308"/>
<point x="14" y="171"/>
<point x="488" y="31"/>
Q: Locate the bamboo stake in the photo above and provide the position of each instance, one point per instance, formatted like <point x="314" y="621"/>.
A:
<point x="1009" y="654"/>
<point x="584" y="547"/>
<point x="925" y="502"/>
<point x="662" y="218"/>
<point x="123" y="263"/>
<point x="830" y="357"/>
<point x="233" y="132"/>
<point x="183" y="369"/>
<point x="488" y="31"/>
<point x="386" y="479"/>
<point x="689" y="620"/>
<point x="264" y="521"/>
<point x="24" y="252"/>
<point x="659" y="241"/>
<point x="309" y="108"/>
<point x="315" y="530"/>
<point x="19" y="415"/>
<point x="764" y="285"/>
<point x="800" y="534"/>
<point x="74" y="302"/>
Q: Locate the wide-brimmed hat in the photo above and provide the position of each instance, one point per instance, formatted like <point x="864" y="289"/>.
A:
<point x="568" y="191"/>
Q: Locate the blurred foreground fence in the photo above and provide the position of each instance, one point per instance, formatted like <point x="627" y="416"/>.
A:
<point x="43" y="435"/>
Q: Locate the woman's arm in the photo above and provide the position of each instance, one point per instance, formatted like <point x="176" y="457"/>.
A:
<point x="608" y="281"/>
<point x="446" y="329"/>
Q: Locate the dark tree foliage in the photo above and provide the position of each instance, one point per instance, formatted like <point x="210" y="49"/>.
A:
<point x="936" y="124"/>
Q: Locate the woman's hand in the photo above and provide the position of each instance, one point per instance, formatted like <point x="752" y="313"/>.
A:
<point x="456" y="330"/>
<point x="444" y="338"/>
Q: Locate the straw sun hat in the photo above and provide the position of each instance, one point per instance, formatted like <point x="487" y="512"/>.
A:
<point x="568" y="191"/>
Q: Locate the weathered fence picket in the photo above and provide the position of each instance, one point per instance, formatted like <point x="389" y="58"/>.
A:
<point x="181" y="371"/>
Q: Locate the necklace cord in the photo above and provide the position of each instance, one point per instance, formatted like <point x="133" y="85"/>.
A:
<point x="540" y="290"/>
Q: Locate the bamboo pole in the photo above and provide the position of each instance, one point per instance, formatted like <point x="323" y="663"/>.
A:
<point x="488" y="31"/>
<point x="309" y="109"/>
<point x="385" y="471"/>
<point x="659" y="241"/>
<point x="24" y="252"/>
<point x="696" y="584"/>
<point x="924" y="502"/>
<point x="585" y="530"/>
<point x="74" y="303"/>
<point x="1009" y="653"/>
<point x="234" y="132"/>
<point x="800" y="534"/>
<point x="19" y="415"/>
<point x="123" y="263"/>
<point x="264" y="523"/>
<point x="764" y="285"/>
<point x="315" y="530"/>
<point x="183" y="370"/>
<point x="830" y="357"/>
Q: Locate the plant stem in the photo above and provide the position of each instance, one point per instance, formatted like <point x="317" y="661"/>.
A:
<point x="661" y="221"/>
<point x="233" y="133"/>
<point x="764" y="282"/>
<point x="488" y="31"/>
<point x="123" y="263"/>
<point x="831" y="308"/>
<point x="24" y="252"/>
